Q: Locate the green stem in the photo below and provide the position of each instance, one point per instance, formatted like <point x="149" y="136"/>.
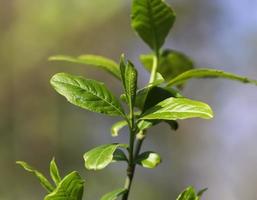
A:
<point x="133" y="155"/>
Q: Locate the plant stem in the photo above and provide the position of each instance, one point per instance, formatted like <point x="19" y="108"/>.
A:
<point x="133" y="155"/>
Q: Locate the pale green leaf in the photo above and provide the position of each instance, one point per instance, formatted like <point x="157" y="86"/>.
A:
<point x="70" y="188"/>
<point x="88" y="94"/>
<point x="91" y="60"/>
<point x="152" y="20"/>
<point x="114" y="194"/>
<point x="208" y="73"/>
<point x="148" y="159"/>
<point x="115" y="129"/>
<point x="99" y="157"/>
<point x="188" y="194"/>
<point x="129" y="79"/>
<point x="42" y="179"/>
<point x="178" y="108"/>
<point x="54" y="172"/>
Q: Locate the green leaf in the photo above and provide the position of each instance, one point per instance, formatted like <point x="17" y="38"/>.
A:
<point x="42" y="179"/>
<point x="188" y="194"/>
<point x="148" y="159"/>
<point x="152" y="20"/>
<point x="70" y="188"/>
<point x="129" y="79"/>
<point x="119" y="155"/>
<point x="208" y="73"/>
<point x="117" y="127"/>
<point x="93" y="60"/>
<point x="178" y="108"/>
<point x="171" y="63"/>
<point x="99" y="157"/>
<point x="88" y="94"/>
<point x="54" y="172"/>
<point x="114" y="194"/>
<point x="200" y="193"/>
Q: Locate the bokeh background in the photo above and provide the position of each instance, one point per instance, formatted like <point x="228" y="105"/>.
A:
<point x="37" y="124"/>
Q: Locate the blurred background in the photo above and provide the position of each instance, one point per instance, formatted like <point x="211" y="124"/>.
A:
<point x="37" y="124"/>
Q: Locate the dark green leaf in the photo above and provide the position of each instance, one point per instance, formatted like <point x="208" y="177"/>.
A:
<point x="152" y="20"/>
<point x="200" y="193"/>
<point x="87" y="94"/>
<point x="93" y="60"/>
<point x="129" y="79"/>
<point x="148" y="159"/>
<point x="70" y="188"/>
<point x="171" y="63"/>
<point x="188" y="194"/>
<point x="42" y="179"/>
<point x="54" y="172"/>
<point x="178" y="108"/>
<point x="99" y="157"/>
<point x="208" y="73"/>
<point x="114" y="194"/>
<point x="117" y="127"/>
<point x="119" y="155"/>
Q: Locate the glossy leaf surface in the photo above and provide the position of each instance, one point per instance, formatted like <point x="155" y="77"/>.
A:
<point x="117" y="127"/>
<point x="208" y="73"/>
<point x="178" y="108"/>
<point x="129" y="79"/>
<point x="99" y="157"/>
<point x="152" y="20"/>
<point x="88" y="94"/>
<point x="148" y="159"/>
<point x="114" y="194"/>
<point x="54" y="172"/>
<point x="188" y="194"/>
<point x="70" y="188"/>
<point x="91" y="60"/>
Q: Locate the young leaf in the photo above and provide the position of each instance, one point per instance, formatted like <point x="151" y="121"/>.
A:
<point x="148" y="159"/>
<point x="178" y="108"/>
<point x="188" y="194"/>
<point x="70" y="188"/>
<point x="208" y="73"/>
<point x="93" y="60"/>
<point x="171" y="63"/>
<point x="42" y="179"/>
<point x="54" y="172"/>
<point x="117" y="127"/>
<point x="129" y="79"/>
<point x="152" y="20"/>
<point x="200" y="193"/>
<point x="114" y="194"/>
<point x="88" y="94"/>
<point x="99" y="157"/>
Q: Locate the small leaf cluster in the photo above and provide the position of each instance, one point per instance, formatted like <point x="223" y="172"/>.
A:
<point x="139" y="109"/>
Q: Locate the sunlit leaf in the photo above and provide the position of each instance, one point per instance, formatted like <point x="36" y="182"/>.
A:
<point x="152" y="20"/>
<point x="178" y="108"/>
<point x="148" y="159"/>
<point x="42" y="179"/>
<point x="99" y="157"/>
<point x="114" y="194"/>
<point x="70" y="188"/>
<point x="54" y="172"/>
<point x="88" y="94"/>
<point x="188" y="194"/>
<point x="129" y="79"/>
<point x="117" y="127"/>
<point x="91" y="60"/>
<point x="208" y="73"/>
